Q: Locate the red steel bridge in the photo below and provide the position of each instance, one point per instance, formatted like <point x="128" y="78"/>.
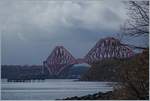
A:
<point x="106" y="48"/>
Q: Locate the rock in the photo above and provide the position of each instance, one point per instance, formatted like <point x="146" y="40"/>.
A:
<point x="96" y="96"/>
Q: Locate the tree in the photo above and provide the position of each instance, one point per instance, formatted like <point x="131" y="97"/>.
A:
<point x="135" y="71"/>
<point x="138" y="22"/>
<point x="135" y="76"/>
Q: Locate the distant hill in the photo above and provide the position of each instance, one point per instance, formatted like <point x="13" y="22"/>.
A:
<point x="18" y="72"/>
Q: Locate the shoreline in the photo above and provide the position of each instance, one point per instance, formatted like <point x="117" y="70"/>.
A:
<point x="95" y="96"/>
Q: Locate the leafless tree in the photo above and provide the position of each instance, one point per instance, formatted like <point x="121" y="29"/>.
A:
<point x="138" y="22"/>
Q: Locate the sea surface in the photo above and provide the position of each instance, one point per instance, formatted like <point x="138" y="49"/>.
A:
<point x="51" y="89"/>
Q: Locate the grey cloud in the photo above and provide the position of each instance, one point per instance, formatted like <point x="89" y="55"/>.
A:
<point x="31" y="29"/>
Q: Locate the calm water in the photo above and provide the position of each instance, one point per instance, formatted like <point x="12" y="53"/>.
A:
<point x="51" y="89"/>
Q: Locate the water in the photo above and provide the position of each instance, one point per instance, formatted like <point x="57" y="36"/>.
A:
<point x="51" y="89"/>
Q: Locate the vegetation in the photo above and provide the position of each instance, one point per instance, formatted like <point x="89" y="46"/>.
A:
<point x="104" y="70"/>
<point x="135" y="72"/>
<point x="135" y="76"/>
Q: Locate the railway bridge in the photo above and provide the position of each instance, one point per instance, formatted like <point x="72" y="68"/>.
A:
<point x="105" y="48"/>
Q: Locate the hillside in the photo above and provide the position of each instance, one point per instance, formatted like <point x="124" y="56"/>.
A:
<point x="105" y="70"/>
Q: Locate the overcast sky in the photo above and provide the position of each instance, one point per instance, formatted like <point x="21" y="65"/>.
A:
<point x="32" y="28"/>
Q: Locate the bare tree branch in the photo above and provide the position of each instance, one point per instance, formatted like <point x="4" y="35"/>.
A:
<point x="138" y="23"/>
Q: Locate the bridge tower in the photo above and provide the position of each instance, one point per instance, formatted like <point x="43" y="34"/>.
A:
<point x="58" y="60"/>
<point x="107" y="48"/>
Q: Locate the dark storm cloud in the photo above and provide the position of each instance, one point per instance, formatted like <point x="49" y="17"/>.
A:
<point x="31" y="29"/>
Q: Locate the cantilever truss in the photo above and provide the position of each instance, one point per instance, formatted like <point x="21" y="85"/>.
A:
<point x="58" y="60"/>
<point x="105" y="48"/>
<point x="108" y="48"/>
